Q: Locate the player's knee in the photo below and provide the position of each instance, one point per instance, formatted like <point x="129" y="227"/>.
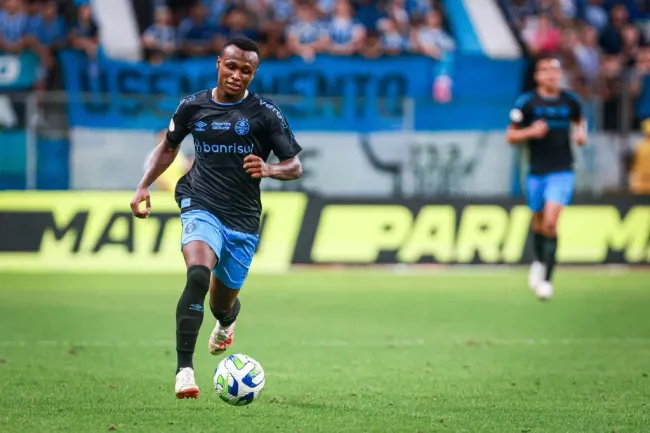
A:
<point x="198" y="278"/>
<point x="550" y="228"/>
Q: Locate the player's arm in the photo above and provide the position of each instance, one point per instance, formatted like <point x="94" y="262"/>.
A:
<point x="289" y="169"/>
<point x="521" y="129"/>
<point x="284" y="145"/>
<point x="163" y="157"/>
<point x="578" y="121"/>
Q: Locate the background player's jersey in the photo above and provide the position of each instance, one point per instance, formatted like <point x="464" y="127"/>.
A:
<point x="224" y="134"/>
<point x="552" y="153"/>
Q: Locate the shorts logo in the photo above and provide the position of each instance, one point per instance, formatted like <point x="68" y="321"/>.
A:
<point x="186" y="202"/>
<point x="190" y="227"/>
<point x="242" y="127"/>
<point x="200" y="126"/>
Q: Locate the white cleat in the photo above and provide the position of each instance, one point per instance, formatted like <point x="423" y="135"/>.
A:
<point x="544" y="291"/>
<point x="221" y="338"/>
<point x="536" y="275"/>
<point x="185" y="384"/>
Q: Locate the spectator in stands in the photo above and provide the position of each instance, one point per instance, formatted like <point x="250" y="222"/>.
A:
<point x="610" y="90"/>
<point x="160" y="39"/>
<point x="281" y="11"/>
<point x="49" y="28"/>
<point x="541" y="35"/>
<point x="196" y="36"/>
<point x="369" y="12"/>
<point x="48" y="34"/>
<point x="596" y="15"/>
<point x="306" y="36"/>
<point x="216" y="10"/>
<point x="631" y="43"/>
<point x="520" y="10"/>
<point x="430" y="39"/>
<point x="273" y="44"/>
<point x="611" y="39"/>
<point x="587" y="54"/>
<point x="238" y="22"/>
<point x="396" y="12"/>
<point x="640" y="165"/>
<point x="326" y="7"/>
<point x="418" y="9"/>
<point x="393" y="42"/>
<point x="372" y="46"/>
<point x="345" y="33"/>
<point x="85" y="33"/>
<point x="13" y="27"/>
<point x="640" y="83"/>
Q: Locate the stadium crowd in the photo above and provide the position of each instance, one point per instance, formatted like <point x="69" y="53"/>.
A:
<point x="603" y="45"/>
<point x="298" y="27"/>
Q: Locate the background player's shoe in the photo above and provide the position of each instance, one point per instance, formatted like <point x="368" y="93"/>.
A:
<point x="536" y="274"/>
<point x="221" y="338"/>
<point x="544" y="290"/>
<point x="185" y="384"/>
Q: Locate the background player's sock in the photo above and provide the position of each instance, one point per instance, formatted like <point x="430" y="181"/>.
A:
<point x="189" y="314"/>
<point x="550" y="247"/>
<point x="538" y="246"/>
<point x="227" y="317"/>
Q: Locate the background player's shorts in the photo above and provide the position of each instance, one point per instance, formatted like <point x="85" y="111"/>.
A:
<point x="556" y="187"/>
<point x="234" y="249"/>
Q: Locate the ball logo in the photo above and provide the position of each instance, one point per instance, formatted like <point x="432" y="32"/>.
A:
<point x="242" y="127"/>
<point x="190" y="227"/>
<point x="516" y="115"/>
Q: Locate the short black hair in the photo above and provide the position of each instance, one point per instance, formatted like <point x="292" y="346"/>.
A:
<point x="243" y="43"/>
<point x="543" y="57"/>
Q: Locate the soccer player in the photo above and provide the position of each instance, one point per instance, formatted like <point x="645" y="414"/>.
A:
<point x="234" y="132"/>
<point x="547" y="120"/>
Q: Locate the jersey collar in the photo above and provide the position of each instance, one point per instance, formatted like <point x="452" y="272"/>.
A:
<point x="227" y="104"/>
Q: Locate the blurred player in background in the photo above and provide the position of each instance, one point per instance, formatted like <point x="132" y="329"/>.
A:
<point x="543" y="120"/>
<point x="234" y="132"/>
<point x="181" y="165"/>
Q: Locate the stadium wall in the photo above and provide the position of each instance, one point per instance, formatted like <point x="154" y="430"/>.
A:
<point x="379" y="165"/>
<point x="94" y="231"/>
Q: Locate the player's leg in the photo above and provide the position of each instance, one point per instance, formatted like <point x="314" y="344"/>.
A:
<point x="558" y="194"/>
<point x="225" y="306"/>
<point x="200" y="241"/>
<point x="535" y="198"/>
<point x="229" y="277"/>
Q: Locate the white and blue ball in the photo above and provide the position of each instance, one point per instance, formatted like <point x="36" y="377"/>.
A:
<point x="238" y="380"/>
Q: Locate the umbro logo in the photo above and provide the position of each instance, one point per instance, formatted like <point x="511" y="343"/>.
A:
<point x="200" y="126"/>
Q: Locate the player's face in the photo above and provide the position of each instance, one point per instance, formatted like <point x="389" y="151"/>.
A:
<point x="236" y="70"/>
<point x="549" y="74"/>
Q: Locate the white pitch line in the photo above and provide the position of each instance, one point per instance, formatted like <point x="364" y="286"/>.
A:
<point x="345" y="343"/>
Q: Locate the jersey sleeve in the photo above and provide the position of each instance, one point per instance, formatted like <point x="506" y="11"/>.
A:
<point x="520" y="114"/>
<point x="179" y="124"/>
<point x="576" y="107"/>
<point x="281" y="139"/>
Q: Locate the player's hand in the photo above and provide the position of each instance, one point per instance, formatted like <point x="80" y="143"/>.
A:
<point x="580" y="136"/>
<point x="538" y="129"/>
<point x="141" y="195"/>
<point x="256" y="167"/>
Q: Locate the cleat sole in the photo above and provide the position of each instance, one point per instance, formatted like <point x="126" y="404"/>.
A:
<point x="188" y="393"/>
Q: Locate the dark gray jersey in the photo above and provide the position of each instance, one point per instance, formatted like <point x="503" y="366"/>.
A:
<point x="551" y="153"/>
<point x="224" y="134"/>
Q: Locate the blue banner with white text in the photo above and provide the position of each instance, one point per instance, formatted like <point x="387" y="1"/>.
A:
<point x="18" y="71"/>
<point x="331" y="93"/>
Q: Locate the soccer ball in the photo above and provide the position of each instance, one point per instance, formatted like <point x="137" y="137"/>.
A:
<point x="238" y="379"/>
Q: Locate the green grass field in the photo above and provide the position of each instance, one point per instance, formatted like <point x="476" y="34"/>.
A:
<point x="354" y="351"/>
